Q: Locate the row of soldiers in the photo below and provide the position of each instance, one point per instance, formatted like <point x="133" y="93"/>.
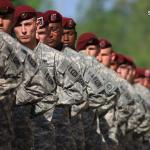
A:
<point x="58" y="96"/>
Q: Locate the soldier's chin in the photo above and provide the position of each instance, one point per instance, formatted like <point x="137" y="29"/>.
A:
<point x="24" y="41"/>
<point x="66" y="44"/>
<point x="51" y="44"/>
<point x="4" y="30"/>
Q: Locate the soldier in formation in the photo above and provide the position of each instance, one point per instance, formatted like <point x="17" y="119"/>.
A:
<point x="56" y="94"/>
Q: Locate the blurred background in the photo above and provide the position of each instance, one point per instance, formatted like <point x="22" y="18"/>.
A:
<point x="125" y="23"/>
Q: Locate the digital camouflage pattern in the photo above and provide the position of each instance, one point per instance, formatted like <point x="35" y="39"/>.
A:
<point x="11" y="71"/>
<point x="98" y="96"/>
<point x="130" y="106"/>
<point x="70" y="89"/>
<point x="143" y="141"/>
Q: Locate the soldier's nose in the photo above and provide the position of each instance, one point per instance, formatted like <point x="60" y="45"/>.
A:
<point x="23" y="30"/>
<point x="65" y="37"/>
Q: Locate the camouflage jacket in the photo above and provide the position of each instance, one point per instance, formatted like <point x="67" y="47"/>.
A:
<point x="101" y="90"/>
<point x="11" y="76"/>
<point x="44" y="70"/>
<point x="69" y="84"/>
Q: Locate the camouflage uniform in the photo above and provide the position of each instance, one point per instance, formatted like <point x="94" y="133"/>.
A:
<point x="70" y="87"/>
<point x="144" y="140"/>
<point x="23" y="138"/>
<point x="22" y="128"/>
<point x="39" y="85"/>
<point x="127" y="106"/>
<point x="144" y="93"/>
<point x="98" y="96"/>
<point x="11" y="71"/>
<point x="129" y="114"/>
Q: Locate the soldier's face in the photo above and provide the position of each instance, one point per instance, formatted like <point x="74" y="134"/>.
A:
<point x="139" y="80"/>
<point x="54" y="34"/>
<point x="123" y="71"/>
<point x="104" y="56"/>
<point x="146" y="82"/>
<point x="41" y="34"/>
<point x="131" y="74"/>
<point x="113" y="64"/>
<point x="69" y="37"/>
<point x="92" y="50"/>
<point x="6" y="22"/>
<point x="25" y="31"/>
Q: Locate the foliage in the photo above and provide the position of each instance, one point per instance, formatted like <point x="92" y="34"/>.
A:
<point x="33" y="3"/>
<point x="125" y="24"/>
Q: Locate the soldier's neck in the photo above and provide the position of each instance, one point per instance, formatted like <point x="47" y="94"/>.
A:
<point x="31" y="45"/>
<point x="59" y="47"/>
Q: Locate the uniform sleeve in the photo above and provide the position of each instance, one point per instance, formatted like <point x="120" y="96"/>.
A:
<point x="37" y="85"/>
<point x="69" y="80"/>
<point x="101" y="86"/>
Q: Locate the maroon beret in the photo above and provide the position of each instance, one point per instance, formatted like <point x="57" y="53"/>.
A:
<point x="54" y="16"/>
<point x="130" y="61"/>
<point x="104" y="43"/>
<point x="86" y="39"/>
<point x="24" y="12"/>
<point x="68" y="23"/>
<point x="140" y="72"/>
<point x="122" y="59"/>
<point x="42" y="19"/>
<point x="6" y="6"/>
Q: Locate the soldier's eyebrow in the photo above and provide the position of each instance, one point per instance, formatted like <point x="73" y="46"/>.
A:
<point x="28" y="21"/>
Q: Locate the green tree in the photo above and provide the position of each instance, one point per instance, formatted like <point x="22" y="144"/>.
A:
<point x="41" y="5"/>
<point x="125" y="24"/>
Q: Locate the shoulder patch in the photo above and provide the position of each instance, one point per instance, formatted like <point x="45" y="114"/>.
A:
<point x="63" y="67"/>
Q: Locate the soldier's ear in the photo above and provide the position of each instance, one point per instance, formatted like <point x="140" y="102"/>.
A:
<point x="113" y="56"/>
<point x="134" y="72"/>
<point x="37" y="36"/>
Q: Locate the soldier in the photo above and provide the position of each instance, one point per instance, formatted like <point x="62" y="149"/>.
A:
<point x="9" y="79"/>
<point x="68" y="39"/>
<point x="59" y="68"/>
<point x="21" y="114"/>
<point x="69" y="36"/>
<point x="90" y="51"/>
<point x="140" y="88"/>
<point x="126" y="70"/>
<point x="54" y="40"/>
<point x="77" y="58"/>
<point x="128" y="100"/>
<point x="105" y="53"/>
<point x="142" y="77"/>
<point x="144" y="90"/>
<point x="94" y="102"/>
<point x="93" y="97"/>
<point x="88" y="45"/>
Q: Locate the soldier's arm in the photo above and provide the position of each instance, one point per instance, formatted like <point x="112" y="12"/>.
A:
<point x="103" y="84"/>
<point x="22" y="63"/>
<point x="68" y="77"/>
